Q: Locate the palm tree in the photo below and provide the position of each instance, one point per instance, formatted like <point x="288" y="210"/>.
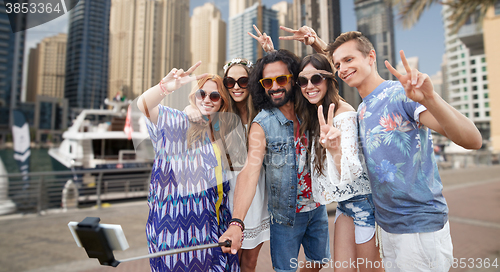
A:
<point x="411" y="10"/>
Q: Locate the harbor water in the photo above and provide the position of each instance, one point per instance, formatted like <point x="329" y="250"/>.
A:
<point x="39" y="160"/>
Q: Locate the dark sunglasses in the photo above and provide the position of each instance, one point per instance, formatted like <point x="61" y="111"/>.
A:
<point x="229" y="82"/>
<point x="316" y="79"/>
<point x="282" y="80"/>
<point x="201" y="94"/>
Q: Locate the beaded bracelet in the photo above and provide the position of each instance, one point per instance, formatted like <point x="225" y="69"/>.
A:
<point x="163" y="91"/>
<point x="234" y="223"/>
<point x="238" y="221"/>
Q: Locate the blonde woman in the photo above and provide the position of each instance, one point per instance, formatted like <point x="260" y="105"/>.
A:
<point x="189" y="182"/>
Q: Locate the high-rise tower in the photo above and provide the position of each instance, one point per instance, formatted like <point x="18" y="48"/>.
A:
<point x="147" y="39"/>
<point x="241" y="45"/>
<point x="208" y="39"/>
<point x="321" y="15"/>
<point x="86" y="84"/>
<point x="11" y="67"/>
<point x="46" y="68"/>
<point x="376" y="21"/>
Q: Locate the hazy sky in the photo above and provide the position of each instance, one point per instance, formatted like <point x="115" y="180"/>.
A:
<point x="425" y="40"/>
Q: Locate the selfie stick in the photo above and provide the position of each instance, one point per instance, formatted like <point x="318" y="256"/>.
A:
<point x="227" y="243"/>
<point x="95" y="238"/>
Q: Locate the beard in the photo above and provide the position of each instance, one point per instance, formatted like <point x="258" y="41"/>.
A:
<point x="278" y="102"/>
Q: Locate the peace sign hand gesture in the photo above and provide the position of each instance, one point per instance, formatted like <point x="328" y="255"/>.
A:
<point x="265" y="41"/>
<point x="329" y="135"/>
<point x="304" y="34"/>
<point x="178" y="77"/>
<point x="418" y="86"/>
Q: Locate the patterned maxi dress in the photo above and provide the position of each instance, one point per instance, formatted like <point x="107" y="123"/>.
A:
<point x="187" y="199"/>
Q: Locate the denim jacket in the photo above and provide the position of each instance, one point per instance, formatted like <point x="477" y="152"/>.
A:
<point x="279" y="163"/>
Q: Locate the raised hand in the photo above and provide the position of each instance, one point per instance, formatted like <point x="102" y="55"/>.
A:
<point x="304" y="34"/>
<point x="329" y="136"/>
<point x="418" y="86"/>
<point x="178" y="77"/>
<point x="265" y="41"/>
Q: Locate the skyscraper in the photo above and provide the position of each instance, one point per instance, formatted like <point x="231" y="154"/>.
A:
<point x="376" y="21"/>
<point x="321" y="15"/>
<point x="147" y="39"/>
<point x="284" y="11"/>
<point x="467" y="76"/>
<point x="208" y="39"/>
<point x="491" y="24"/>
<point x="122" y="27"/>
<point x="241" y="45"/>
<point x="238" y="6"/>
<point x="46" y="68"/>
<point x="86" y="84"/>
<point x="11" y="67"/>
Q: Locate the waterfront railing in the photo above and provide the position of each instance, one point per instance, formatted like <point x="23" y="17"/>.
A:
<point x="39" y="191"/>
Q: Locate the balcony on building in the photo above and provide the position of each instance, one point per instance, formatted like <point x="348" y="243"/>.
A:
<point x="471" y="35"/>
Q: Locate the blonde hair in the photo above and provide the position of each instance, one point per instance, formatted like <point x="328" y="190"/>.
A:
<point x="226" y="122"/>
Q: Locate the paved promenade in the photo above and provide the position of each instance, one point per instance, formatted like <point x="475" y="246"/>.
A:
<point x="44" y="243"/>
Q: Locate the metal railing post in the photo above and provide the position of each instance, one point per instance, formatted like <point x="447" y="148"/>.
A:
<point x="40" y="197"/>
<point x="99" y="181"/>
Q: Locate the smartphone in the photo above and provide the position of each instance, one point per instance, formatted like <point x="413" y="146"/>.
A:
<point x="114" y="234"/>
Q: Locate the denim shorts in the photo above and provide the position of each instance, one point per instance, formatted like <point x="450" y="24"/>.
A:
<point x="360" y="208"/>
<point x="362" y="211"/>
<point x="310" y="230"/>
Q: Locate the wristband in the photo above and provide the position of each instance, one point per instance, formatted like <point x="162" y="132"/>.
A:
<point x="238" y="221"/>
<point x="163" y="90"/>
<point x="236" y="224"/>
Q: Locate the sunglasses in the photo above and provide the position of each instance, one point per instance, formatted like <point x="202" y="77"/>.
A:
<point x="316" y="79"/>
<point x="282" y="80"/>
<point x="201" y="94"/>
<point x="229" y="82"/>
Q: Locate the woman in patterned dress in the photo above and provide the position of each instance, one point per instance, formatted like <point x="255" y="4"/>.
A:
<point x="257" y="222"/>
<point x="187" y="200"/>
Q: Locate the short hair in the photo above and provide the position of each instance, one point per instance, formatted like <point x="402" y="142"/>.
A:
<point x="259" y="97"/>
<point x="364" y="44"/>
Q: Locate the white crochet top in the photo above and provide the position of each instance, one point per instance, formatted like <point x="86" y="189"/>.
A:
<point x="353" y="179"/>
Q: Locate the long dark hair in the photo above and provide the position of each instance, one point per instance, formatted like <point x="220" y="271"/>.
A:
<point x="259" y="96"/>
<point x="308" y="113"/>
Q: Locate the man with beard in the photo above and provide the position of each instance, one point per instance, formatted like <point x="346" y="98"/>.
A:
<point x="274" y="142"/>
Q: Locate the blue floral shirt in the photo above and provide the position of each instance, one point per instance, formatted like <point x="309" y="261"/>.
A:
<point x="406" y="187"/>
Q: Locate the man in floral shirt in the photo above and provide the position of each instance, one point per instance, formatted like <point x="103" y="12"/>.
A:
<point x="394" y="121"/>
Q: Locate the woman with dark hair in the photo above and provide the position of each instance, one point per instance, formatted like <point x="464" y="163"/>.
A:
<point x="188" y="203"/>
<point x="338" y="174"/>
<point x="257" y="228"/>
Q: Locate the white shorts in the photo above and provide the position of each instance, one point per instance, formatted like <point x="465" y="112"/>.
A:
<point x="427" y="251"/>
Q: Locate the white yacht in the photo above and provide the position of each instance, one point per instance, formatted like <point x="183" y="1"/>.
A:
<point x="97" y="140"/>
